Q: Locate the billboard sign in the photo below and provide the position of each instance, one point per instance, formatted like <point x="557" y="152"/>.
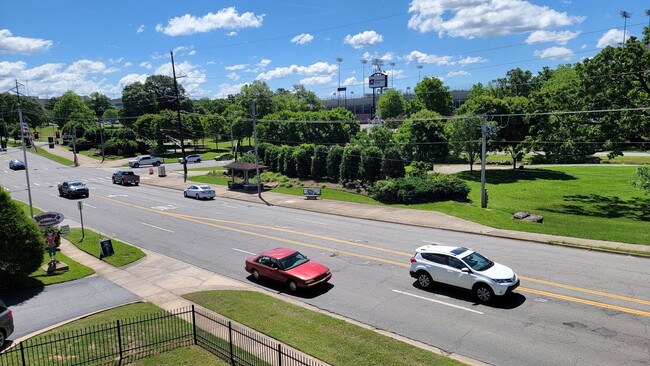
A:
<point x="47" y="219"/>
<point x="378" y="80"/>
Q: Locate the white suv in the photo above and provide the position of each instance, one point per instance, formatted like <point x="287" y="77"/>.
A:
<point x="464" y="268"/>
<point x="193" y="158"/>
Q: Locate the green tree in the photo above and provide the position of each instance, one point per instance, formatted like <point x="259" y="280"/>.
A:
<point x="137" y="101"/>
<point x="319" y="162"/>
<point x="70" y="107"/>
<point x="370" y="168"/>
<point x="111" y="116"/>
<point x="334" y="158"/>
<point x="391" y="104"/>
<point x="465" y="138"/>
<point x="260" y="93"/>
<point x="392" y="164"/>
<point x="21" y="243"/>
<point x="350" y="164"/>
<point x="422" y="137"/>
<point x="643" y="183"/>
<point x="435" y="96"/>
<point x="99" y="103"/>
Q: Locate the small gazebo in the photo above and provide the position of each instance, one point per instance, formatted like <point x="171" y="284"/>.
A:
<point x="246" y="168"/>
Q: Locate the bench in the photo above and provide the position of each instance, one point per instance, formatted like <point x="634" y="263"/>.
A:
<point x="311" y="193"/>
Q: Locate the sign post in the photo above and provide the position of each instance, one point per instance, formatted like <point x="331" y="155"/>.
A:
<point x="81" y="206"/>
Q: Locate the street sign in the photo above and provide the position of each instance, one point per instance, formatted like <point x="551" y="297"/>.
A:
<point x="65" y="230"/>
<point x="47" y="219"/>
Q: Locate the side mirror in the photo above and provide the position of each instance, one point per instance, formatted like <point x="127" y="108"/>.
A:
<point x="466" y="270"/>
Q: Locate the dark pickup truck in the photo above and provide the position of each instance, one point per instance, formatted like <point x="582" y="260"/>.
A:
<point x="125" y="177"/>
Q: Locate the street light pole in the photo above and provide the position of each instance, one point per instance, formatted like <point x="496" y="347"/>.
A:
<point x="338" y="91"/>
<point x="625" y="15"/>
<point x="363" y="76"/>
<point x="392" y="75"/>
<point x="419" y="69"/>
<point x="180" y="122"/>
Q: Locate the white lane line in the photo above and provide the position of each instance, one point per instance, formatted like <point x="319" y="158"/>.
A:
<point x="312" y="222"/>
<point x="156" y="227"/>
<point x="87" y="205"/>
<point x="231" y="206"/>
<point x="243" y="251"/>
<point x="438" y="302"/>
<point x="37" y="184"/>
<point x="116" y="195"/>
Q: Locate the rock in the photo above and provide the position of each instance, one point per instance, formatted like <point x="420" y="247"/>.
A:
<point x="520" y="215"/>
<point x="534" y="218"/>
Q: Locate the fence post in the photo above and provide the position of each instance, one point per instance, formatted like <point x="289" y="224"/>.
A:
<point x="119" y="342"/>
<point x="232" y="356"/>
<point x="279" y="354"/>
<point x="194" y="325"/>
<point x="22" y="353"/>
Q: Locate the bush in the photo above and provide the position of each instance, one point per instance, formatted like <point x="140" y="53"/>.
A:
<point x="319" y="162"/>
<point x="392" y="165"/>
<point x="82" y="144"/>
<point x="303" y="162"/>
<point x="115" y="146"/>
<point x="334" y="158"/>
<point x="420" y="189"/>
<point x="371" y="158"/>
<point x="350" y="164"/>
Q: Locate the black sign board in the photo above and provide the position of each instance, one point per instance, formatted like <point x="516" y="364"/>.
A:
<point x="106" y="248"/>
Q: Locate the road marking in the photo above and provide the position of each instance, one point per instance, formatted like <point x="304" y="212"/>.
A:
<point x="243" y="251"/>
<point x="117" y="195"/>
<point x="164" y="207"/>
<point x="156" y="227"/>
<point x="311" y="222"/>
<point x="438" y="302"/>
<point x="36" y="184"/>
<point x="201" y="220"/>
<point x="87" y="205"/>
<point x="585" y="302"/>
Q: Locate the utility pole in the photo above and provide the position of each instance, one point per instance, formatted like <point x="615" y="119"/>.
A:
<point x="257" y="165"/>
<point x="483" y="158"/>
<point x="24" y="132"/>
<point x="180" y="122"/>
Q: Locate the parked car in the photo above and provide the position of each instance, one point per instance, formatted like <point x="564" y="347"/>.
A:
<point x="463" y="268"/>
<point x="6" y="323"/>
<point x="73" y="188"/>
<point x="193" y="158"/>
<point x="289" y="267"/>
<point x="16" y="164"/>
<point x="125" y="177"/>
<point x="145" y="160"/>
<point x="199" y="192"/>
<point x="224" y="157"/>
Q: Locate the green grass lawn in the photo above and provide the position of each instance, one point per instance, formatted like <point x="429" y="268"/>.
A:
<point x="124" y="253"/>
<point x="42" y="278"/>
<point x="592" y="202"/>
<point x="42" y="151"/>
<point x="332" y="340"/>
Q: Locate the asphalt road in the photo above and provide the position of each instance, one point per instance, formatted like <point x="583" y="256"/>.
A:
<point x="573" y="307"/>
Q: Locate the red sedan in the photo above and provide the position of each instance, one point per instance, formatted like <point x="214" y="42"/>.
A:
<point x="288" y="266"/>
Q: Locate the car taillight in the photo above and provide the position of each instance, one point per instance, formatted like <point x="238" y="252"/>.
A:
<point x="10" y="314"/>
<point x="413" y="259"/>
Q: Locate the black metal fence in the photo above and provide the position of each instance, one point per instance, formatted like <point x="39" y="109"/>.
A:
<point x="128" y="340"/>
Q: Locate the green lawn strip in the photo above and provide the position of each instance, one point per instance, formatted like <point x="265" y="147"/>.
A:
<point x="124" y="253"/>
<point x="41" y="278"/>
<point x="97" y="155"/>
<point x="182" y="356"/>
<point x="206" y="168"/>
<point x="42" y="151"/>
<point x="332" y="340"/>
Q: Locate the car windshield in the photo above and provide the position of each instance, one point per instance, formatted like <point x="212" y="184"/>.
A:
<point x="478" y="262"/>
<point x="205" y="187"/>
<point x="76" y="184"/>
<point x="292" y="261"/>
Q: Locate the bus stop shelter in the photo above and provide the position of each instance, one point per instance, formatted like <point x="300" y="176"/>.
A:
<point x="247" y="170"/>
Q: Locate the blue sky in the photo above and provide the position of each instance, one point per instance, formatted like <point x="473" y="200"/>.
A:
<point x="219" y="46"/>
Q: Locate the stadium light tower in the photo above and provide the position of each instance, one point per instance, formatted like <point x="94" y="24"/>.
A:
<point x="625" y="15"/>
<point x="338" y="91"/>
<point x="363" y="75"/>
<point x="392" y="75"/>
<point x="419" y="69"/>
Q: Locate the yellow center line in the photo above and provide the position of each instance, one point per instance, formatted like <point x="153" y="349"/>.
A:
<point x="201" y="220"/>
<point x="585" y="302"/>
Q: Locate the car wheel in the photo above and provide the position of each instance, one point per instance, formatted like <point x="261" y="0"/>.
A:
<point x="424" y="280"/>
<point x="2" y="339"/>
<point x="122" y="182"/>
<point x="256" y="275"/>
<point x="69" y="195"/>
<point x="483" y="293"/>
<point x="60" y="193"/>
<point x="136" y="183"/>
<point x="197" y="196"/>
<point x="156" y="163"/>
<point x="198" y="160"/>
<point x="87" y="194"/>
<point x="136" y="165"/>
<point x="185" y="194"/>
<point x="114" y="182"/>
<point x="292" y="286"/>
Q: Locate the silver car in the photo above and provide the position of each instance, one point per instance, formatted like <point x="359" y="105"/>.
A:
<point x="193" y="158"/>
<point x="6" y="323"/>
<point x="199" y="192"/>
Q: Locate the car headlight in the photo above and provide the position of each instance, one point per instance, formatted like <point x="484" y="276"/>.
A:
<point x="309" y="281"/>
<point x="503" y="281"/>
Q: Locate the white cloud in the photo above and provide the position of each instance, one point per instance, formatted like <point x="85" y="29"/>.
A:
<point x="612" y="38"/>
<point x="555" y="53"/>
<point x="316" y="80"/>
<point x="549" y="36"/>
<point x="231" y="34"/>
<point x="302" y="38"/>
<point x="140" y="29"/>
<point x="264" y="63"/>
<point x="146" y="65"/>
<point x="471" y="60"/>
<point x="194" y="76"/>
<point x="423" y="58"/>
<point x="228" y="89"/>
<point x="233" y="76"/>
<point x="22" y="45"/>
<point x="132" y="78"/>
<point x="485" y="18"/>
<point x="319" y="68"/>
<point x="388" y="56"/>
<point x="236" y="67"/>
<point x="11" y="69"/>
<point x="363" y="39"/>
<point x="227" y="18"/>
<point x="451" y="74"/>
<point x="350" y="81"/>
<point x="84" y="67"/>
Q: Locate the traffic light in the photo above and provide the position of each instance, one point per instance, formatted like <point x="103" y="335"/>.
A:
<point x="50" y="141"/>
<point x="36" y="135"/>
<point x="58" y="134"/>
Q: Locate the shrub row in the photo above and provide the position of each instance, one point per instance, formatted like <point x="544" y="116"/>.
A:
<point x="420" y="189"/>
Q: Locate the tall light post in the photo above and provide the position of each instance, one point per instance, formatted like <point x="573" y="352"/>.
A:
<point x="363" y="76"/>
<point x="625" y="15"/>
<point x="392" y="75"/>
<point x="338" y="91"/>
<point x="419" y="69"/>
